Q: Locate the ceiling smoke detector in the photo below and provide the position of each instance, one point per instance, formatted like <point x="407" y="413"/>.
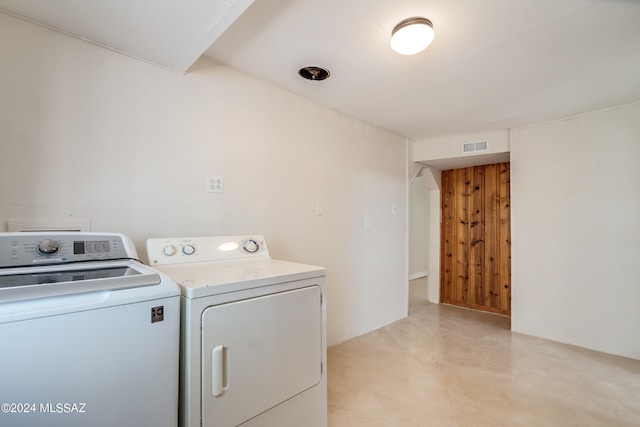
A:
<point x="314" y="73"/>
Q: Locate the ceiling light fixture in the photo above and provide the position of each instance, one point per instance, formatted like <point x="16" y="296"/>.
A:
<point x="412" y="35"/>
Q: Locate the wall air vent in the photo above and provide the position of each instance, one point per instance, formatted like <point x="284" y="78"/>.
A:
<point x="474" y="147"/>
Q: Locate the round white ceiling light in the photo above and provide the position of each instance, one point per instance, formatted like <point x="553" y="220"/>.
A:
<point x="412" y="35"/>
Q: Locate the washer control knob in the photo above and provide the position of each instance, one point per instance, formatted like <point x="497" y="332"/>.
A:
<point x="169" y="250"/>
<point x="188" y="249"/>
<point x="48" y="247"/>
<point x="250" y="246"/>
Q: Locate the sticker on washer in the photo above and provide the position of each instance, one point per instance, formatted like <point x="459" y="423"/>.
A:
<point x="157" y="314"/>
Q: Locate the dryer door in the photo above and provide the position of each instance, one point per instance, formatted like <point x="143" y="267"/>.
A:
<point x="258" y="353"/>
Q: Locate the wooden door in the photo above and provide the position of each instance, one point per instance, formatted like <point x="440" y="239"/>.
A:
<point x="476" y="238"/>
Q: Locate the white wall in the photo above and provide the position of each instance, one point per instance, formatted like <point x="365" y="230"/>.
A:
<point x="433" y="181"/>
<point x="418" y="228"/>
<point x="575" y="187"/>
<point x="89" y="133"/>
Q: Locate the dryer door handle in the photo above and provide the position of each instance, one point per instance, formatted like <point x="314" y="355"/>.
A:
<point x="219" y="370"/>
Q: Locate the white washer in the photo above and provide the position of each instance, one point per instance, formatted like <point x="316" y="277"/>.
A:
<point x="253" y="346"/>
<point x="89" y="334"/>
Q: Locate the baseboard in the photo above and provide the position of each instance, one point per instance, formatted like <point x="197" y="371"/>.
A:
<point x="418" y="275"/>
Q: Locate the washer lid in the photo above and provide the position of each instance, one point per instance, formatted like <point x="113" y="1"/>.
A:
<point x="40" y="282"/>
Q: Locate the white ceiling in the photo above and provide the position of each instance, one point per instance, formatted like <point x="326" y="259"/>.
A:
<point x="169" y="33"/>
<point x="494" y="64"/>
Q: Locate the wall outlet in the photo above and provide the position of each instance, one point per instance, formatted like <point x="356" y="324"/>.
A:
<point x="215" y="184"/>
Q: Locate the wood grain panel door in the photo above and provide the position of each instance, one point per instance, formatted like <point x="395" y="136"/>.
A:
<point x="476" y="238"/>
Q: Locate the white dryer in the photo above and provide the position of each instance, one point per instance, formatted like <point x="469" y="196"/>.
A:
<point x="253" y="333"/>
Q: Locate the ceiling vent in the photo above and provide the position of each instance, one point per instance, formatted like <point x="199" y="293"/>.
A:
<point x="474" y="147"/>
<point x="314" y="73"/>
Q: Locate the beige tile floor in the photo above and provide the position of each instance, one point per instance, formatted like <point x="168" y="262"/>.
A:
<point x="447" y="366"/>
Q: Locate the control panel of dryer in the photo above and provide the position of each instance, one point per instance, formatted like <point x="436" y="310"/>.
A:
<point x="200" y="249"/>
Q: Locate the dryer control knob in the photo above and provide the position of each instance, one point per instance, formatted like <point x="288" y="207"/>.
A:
<point x="169" y="250"/>
<point x="188" y="249"/>
<point x="250" y="246"/>
<point x="48" y="247"/>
